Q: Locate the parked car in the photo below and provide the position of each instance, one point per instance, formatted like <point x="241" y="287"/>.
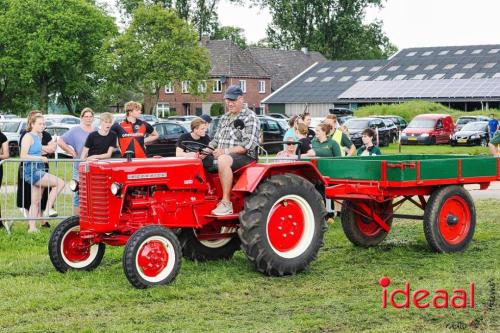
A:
<point x="12" y="129"/>
<point x="397" y="120"/>
<point x="341" y="111"/>
<point x="61" y="119"/>
<point x="271" y="130"/>
<point x="462" y="121"/>
<point x="393" y="129"/>
<point x="56" y="131"/>
<point x="358" y="125"/>
<point x="7" y="116"/>
<point x="279" y="116"/>
<point x="168" y="134"/>
<point x="472" y="134"/>
<point x="428" y="129"/>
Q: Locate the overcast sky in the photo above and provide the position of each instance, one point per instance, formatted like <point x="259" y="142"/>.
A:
<point x="408" y="23"/>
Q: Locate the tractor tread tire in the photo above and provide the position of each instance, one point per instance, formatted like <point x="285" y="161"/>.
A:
<point x="253" y="221"/>
<point x="193" y="249"/>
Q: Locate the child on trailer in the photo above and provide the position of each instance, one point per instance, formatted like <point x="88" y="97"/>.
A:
<point x="368" y="149"/>
<point x="305" y="149"/>
<point x="288" y="154"/>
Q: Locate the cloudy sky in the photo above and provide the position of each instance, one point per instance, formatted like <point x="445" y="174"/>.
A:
<point x="408" y="23"/>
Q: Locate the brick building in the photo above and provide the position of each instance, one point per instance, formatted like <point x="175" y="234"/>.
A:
<point x="258" y="71"/>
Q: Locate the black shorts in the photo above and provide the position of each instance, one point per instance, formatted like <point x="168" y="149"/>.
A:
<point x="240" y="160"/>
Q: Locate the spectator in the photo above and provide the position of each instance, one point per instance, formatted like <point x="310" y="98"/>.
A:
<point x="234" y="144"/>
<point x="494" y="144"/>
<point x="23" y="187"/>
<point x="35" y="174"/>
<point x="290" y="132"/>
<point x="306" y="119"/>
<point x="492" y="125"/>
<point x="339" y="136"/>
<point x="198" y="134"/>
<point x="289" y="153"/>
<point x="368" y="149"/>
<point x="133" y="133"/>
<point x="323" y="145"/>
<point x="304" y="149"/>
<point x="101" y="143"/>
<point x="72" y="142"/>
<point x="4" y="154"/>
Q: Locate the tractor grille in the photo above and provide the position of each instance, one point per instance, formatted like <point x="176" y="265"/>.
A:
<point x="94" y="201"/>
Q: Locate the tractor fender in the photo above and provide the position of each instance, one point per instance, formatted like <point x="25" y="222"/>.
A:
<point x="255" y="174"/>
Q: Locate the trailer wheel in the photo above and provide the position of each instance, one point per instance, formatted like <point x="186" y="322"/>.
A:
<point x="361" y="230"/>
<point x="449" y="219"/>
<point x="203" y="250"/>
<point x="152" y="256"/>
<point x="282" y="225"/>
<point x="67" y="250"/>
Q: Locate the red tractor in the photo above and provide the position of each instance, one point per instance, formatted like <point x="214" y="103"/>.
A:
<point x="160" y="209"/>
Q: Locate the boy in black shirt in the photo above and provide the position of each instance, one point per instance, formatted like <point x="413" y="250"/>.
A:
<point x="100" y="144"/>
<point x="198" y="134"/>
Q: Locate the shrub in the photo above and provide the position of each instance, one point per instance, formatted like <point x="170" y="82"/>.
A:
<point x="409" y="110"/>
<point x="217" y="109"/>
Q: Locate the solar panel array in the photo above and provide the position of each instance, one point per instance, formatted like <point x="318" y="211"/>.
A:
<point x="463" y="88"/>
<point x="437" y="72"/>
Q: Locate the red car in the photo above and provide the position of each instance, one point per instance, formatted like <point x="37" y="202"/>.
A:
<point x="428" y="129"/>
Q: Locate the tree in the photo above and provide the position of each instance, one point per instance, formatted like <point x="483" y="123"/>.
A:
<point x="234" y="34"/>
<point x="333" y="27"/>
<point x="54" y="44"/>
<point x="201" y="13"/>
<point x="158" y="48"/>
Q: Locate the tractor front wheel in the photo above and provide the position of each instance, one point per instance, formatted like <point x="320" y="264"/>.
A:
<point x="282" y="225"/>
<point x="449" y="219"/>
<point x="362" y="230"/>
<point x="152" y="256"/>
<point x="67" y="250"/>
<point x="203" y="250"/>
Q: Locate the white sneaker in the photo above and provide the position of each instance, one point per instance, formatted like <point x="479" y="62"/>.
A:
<point x="223" y="208"/>
<point x="50" y="213"/>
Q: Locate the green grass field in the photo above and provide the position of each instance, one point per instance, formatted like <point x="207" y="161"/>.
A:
<point x="339" y="293"/>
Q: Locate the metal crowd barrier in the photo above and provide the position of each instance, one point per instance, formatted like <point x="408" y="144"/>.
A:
<point x="13" y="195"/>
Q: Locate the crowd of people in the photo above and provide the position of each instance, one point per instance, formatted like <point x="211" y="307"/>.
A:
<point x="234" y="145"/>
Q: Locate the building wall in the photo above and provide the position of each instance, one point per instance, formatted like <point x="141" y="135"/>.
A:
<point x="185" y="103"/>
<point x="316" y="110"/>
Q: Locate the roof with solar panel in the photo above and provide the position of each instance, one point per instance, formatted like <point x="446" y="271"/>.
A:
<point x="440" y="73"/>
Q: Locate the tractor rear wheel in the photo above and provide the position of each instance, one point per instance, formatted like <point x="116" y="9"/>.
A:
<point x="152" y="256"/>
<point x="67" y="250"/>
<point x="362" y="230"/>
<point x="282" y="225"/>
<point x="203" y="250"/>
<point x="449" y="219"/>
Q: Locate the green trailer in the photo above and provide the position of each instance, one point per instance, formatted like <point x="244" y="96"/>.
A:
<point x="371" y="189"/>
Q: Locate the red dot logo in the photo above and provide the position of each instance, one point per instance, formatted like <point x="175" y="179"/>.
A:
<point x="384" y="281"/>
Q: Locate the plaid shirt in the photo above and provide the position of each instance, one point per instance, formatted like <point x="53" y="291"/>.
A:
<point x="228" y="136"/>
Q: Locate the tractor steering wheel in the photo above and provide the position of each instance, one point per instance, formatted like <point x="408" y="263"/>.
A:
<point x="199" y="147"/>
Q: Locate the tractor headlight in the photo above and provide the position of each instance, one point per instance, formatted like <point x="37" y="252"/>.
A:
<point x="116" y="188"/>
<point x="73" y="185"/>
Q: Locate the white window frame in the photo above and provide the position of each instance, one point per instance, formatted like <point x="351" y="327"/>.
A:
<point x="243" y="85"/>
<point x="202" y="87"/>
<point x="217" y="88"/>
<point x="185" y="87"/>
<point x="262" y="87"/>
<point x="169" y="88"/>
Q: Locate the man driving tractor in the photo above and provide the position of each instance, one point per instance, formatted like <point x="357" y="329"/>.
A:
<point x="234" y="143"/>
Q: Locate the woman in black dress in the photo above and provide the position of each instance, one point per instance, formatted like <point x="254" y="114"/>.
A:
<point x="24" y="188"/>
<point x="4" y="154"/>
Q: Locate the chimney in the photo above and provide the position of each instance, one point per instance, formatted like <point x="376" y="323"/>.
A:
<point x="305" y="50"/>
